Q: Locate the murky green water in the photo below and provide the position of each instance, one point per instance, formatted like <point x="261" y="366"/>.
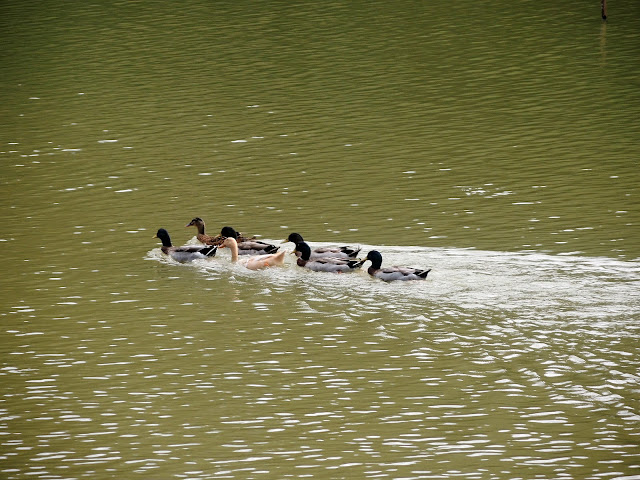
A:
<point x="496" y="144"/>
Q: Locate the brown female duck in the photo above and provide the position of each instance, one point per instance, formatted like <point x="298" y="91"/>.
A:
<point x="246" y="245"/>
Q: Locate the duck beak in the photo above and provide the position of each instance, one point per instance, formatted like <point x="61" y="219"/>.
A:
<point x="188" y="225"/>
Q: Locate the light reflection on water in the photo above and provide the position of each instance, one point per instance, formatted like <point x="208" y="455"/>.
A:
<point x="499" y="364"/>
<point x="524" y="283"/>
<point x="503" y="129"/>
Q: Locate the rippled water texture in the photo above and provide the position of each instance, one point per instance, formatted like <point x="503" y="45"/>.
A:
<point x="500" y="365"/>
<point x="495" y="144"/>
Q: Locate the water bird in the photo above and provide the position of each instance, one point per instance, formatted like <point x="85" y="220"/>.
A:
<point x="322" y="252"/>
<point x="325" y="264"/>
<point x="389" y="274"/>
<point x="254" y="262"/>
<point x="248" y="246"/>
<point x="185" y="253"/>
<point x="208" y="239"/>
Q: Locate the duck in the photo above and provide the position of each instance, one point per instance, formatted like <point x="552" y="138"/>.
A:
<point x="201" y="236"/>
<point x="185" y="253"/>
<point x="248" y="246"/>
<point x="325" y="264"/>
<point x="389" y="274"/>
<point x="254" y="262"/>
<point x="208" y="239"/>
<point x="323" y="252"/>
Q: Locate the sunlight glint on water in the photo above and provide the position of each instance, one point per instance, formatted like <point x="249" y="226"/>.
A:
<point x="491" y="143"/>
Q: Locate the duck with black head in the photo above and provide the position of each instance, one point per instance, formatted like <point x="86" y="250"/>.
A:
<point x="325" y="264"/>
<point x="321" y="252"/>
<point x="185" y="253"/>
<point x="389" y="274"/>
<point x="248" y="246"/>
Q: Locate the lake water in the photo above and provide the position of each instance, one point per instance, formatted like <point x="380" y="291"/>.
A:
<point x="496" y="144"/>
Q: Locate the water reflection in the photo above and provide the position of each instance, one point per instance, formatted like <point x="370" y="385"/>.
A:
<point x="603" y="43"/>
<point x="500" y="362"/>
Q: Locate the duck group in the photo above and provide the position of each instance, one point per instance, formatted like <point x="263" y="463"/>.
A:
<point x="255" y="254"/>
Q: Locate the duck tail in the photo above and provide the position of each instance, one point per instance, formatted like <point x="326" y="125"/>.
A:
<point x="209" y="251"/>
<point x="424" y="273"/>
<point x="351" y="252"/>
<point x="357" y="263"/>
<point x="279" y="258"/>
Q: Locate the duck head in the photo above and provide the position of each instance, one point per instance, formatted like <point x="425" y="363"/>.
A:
<point x="163" y="235"/>
<point x="304" y="249"/>
<point x="229" y="232"/>
<point x="196" y="222"/>
<point x="296" y="238"/>
<point x="375" y="257"/>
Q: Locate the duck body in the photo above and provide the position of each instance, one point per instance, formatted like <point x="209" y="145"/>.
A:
<point x="248" y="246"/>
<point x="208" y="239"/>
<point x="185" y="253"/>
<point x="201" y="236"/>
<point x="324" y="264"/>
<point x="345" y="252"/>
<point x="254" y="262"/>
<point x="389" y="274"/>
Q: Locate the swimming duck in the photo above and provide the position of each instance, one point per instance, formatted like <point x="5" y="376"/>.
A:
<point x="201" y="236"/>
<point x="254" y="262"/>
<point x="325" y="264"/>
<point x="389" y="274"/>
<point x="248" y="246"/>
<point x="322" y="252"/>
<point x="186" y="253"/>
<point x="208" y="239"/>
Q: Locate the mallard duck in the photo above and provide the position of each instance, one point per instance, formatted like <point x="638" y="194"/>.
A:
<point x="325" y="264"/>
<point x="208" y="239"/>
<point x="389" y="274"/>
<point x="201" y="236"/>
<point x="186" y="253"/>
<point x="248" y="246"/>
<point x="323" y="252"/>
<point x="254" y="262"/>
